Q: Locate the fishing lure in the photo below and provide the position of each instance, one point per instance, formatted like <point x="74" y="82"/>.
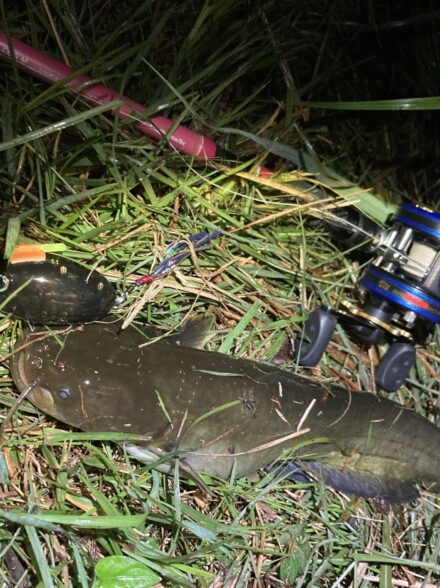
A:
<point x="45" y="289"/>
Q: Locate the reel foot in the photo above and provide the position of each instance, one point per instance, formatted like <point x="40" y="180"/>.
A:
<point x="318" y="330"/>
<point x="395" y="366"/>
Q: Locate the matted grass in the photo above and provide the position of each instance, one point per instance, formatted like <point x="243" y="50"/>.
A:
<point x="115" y="201"/>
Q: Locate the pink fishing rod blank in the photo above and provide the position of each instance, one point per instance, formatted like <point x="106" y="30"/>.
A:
<point x="50" y="70"/>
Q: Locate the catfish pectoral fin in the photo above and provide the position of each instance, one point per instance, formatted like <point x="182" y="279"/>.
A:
<point x="146" y="454"/>
<point x="191" y="473"/>
<point x="163" y="462"/>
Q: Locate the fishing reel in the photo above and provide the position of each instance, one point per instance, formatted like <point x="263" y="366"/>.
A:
<point x="400" y="291"/>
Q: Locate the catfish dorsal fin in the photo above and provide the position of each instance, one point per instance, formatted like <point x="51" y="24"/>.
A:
<point x="196" y="332"/>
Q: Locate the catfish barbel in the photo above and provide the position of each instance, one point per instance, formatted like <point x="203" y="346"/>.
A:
<point x="222" y="415"/>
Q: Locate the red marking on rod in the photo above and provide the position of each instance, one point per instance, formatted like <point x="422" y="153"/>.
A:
<point x="416" y="300"/>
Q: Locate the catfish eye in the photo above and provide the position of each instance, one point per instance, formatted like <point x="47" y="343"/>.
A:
<point x="63" y="393"/>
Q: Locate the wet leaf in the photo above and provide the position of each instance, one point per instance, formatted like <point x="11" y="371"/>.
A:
<point x="119" y="571"/>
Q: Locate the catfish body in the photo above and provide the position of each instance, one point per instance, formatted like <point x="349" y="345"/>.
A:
<point x="222" y="414"/>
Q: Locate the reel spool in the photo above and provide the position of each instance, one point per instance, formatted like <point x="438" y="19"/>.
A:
<point x="400" y="288"/>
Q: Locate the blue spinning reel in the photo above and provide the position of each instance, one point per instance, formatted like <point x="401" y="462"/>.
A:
<point x="400" y="291"/>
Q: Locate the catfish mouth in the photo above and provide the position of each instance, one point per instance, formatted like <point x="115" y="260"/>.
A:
<point x="41" y="397"/>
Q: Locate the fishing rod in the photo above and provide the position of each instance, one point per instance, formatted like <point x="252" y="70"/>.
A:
<point x="399" y="290"/>
<point x="50" y="70"/>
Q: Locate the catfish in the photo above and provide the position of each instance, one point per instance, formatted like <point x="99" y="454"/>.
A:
<point x="224" y="416"/>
